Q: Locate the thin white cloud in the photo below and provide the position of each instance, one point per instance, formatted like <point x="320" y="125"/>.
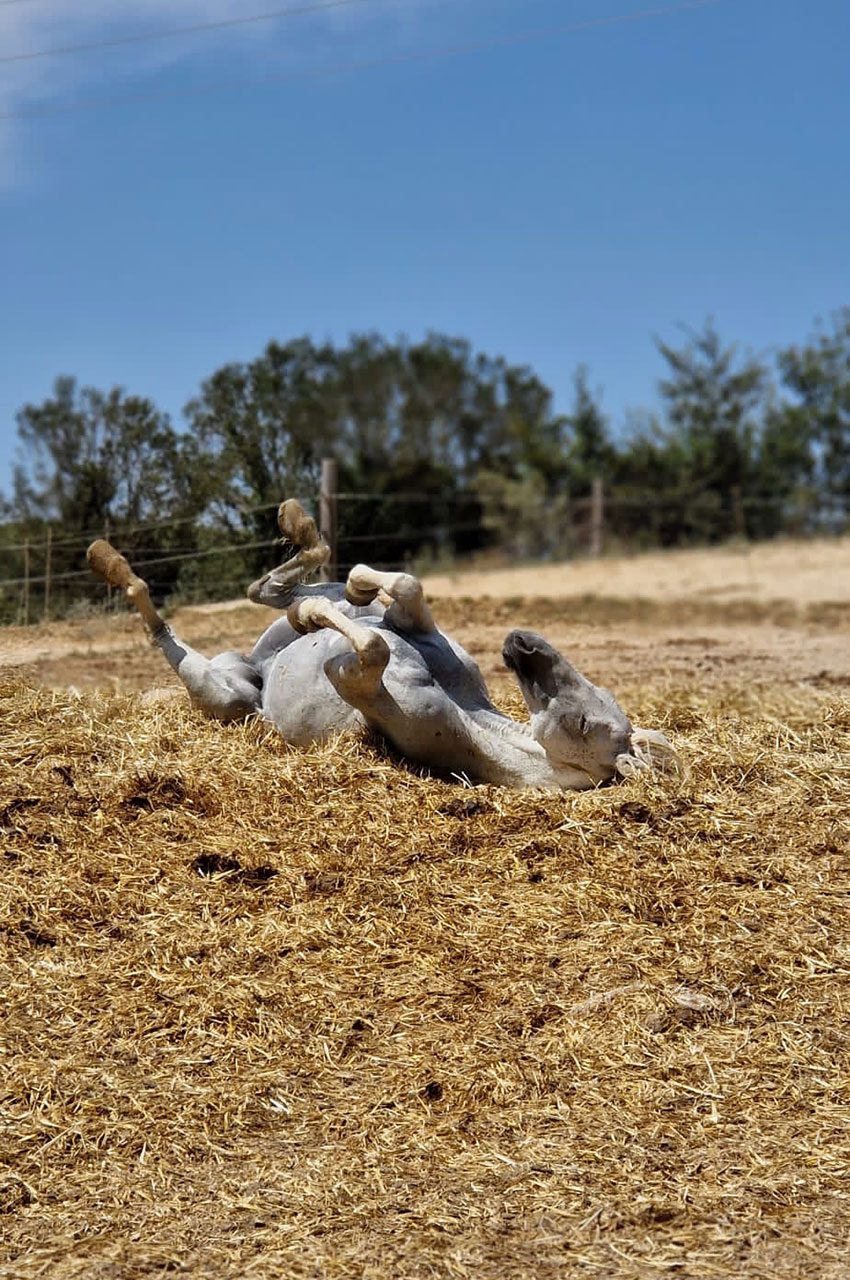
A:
<point x="310" y="38"/>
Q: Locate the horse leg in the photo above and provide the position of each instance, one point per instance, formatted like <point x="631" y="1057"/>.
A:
<point x="406" y="606"/>
<point x="356" y="676"/>
<point x="226" y="687"/>
<point x="311" y="552"/>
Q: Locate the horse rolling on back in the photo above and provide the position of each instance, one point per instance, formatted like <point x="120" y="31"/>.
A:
<point x="367" y="654"/>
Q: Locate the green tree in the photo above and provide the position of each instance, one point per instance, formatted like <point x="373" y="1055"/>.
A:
<point x="446" y="402"/>
<point x="264" y="427"/>
<point x="536" y="496"/>
<point x="411" y="435"/>
<point x="712" y="402"/>
<point x="590" y="451"/>
<point x="815" y="424"/>
<point x="91" y="455"/>
<point x="401" y="419"/>
<point x="526" y="517"/>
<point x="91" y="458"/>
<point x="649" y="500"/>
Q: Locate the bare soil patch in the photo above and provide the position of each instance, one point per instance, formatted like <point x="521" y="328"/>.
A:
<point x="800" y="573"/>
<point x="775" y="612"/>
<point x="611" y="640"/>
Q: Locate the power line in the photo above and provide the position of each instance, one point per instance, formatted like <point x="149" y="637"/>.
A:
<point x="395" y="60"/>
<point x="272" y="16"/>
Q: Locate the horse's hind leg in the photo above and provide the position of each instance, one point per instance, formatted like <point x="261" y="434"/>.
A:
<point x="311" y="552"/>
<point x="226" y="687"/>
<point x="357" y="676"/>
<point x="107" y="563"/>
<point x="402" y="594"/>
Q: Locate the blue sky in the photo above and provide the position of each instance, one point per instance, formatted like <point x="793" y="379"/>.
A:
<point x="557" y="201"/>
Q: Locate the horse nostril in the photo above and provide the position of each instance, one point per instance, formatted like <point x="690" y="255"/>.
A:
<point x="621" y="744"/>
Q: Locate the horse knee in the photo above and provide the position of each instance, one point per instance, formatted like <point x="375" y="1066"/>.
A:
<point x="361" y="586"/>
<point x="357" y="677"/>
<point x="408" y="590"/>
<point x="222" y="694"/>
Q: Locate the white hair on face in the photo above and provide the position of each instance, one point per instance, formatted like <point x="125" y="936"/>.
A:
<point x="649" y="749"/>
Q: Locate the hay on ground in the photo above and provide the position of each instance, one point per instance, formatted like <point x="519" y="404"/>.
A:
<point x="279" y="1013"/>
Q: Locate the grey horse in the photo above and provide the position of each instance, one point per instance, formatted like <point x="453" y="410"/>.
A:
<point x="367" y="654"/>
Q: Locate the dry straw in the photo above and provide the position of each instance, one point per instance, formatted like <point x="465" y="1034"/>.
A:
<point x="278" y="1013"/>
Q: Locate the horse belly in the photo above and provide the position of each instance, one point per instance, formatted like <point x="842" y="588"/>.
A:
<point x="299" y="699"/>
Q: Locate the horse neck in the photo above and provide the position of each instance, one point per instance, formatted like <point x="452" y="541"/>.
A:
<point x="510" y="757"/>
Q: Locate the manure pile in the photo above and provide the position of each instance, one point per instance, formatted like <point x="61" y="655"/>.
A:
<point x="294" y="1014"/>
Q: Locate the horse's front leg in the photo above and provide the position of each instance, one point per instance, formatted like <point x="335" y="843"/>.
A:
<point x="356" y="676"/>
<point x="310" y="553"/>
<point x="401" y="593"/>
<point x="226" y="687"/>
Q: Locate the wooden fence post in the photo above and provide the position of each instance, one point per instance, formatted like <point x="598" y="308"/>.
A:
<point x="738" y="516"/>
<point x="327" y="514"/>
<point x="27" y="583"/>
<point x="597" y="517"/>
<point x="106" y="533"/>
<point x="47" y="558"/>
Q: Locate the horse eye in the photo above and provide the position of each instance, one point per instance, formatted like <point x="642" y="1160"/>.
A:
<point x="583" y="726"/>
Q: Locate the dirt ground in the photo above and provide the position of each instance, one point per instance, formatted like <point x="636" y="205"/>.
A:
<point x="312" y="1015"/>
<point x="113" y="654"/>
<point x="779" y="613"/>
<point x="801" y="573"/>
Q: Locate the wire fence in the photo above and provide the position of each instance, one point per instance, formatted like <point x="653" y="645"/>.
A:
<point x="185" y="558"/>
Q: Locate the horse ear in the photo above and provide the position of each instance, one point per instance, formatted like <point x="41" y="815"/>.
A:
<point x="538" y="663"/>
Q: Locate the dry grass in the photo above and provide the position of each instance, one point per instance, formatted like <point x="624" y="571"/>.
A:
<point x="306" y="1014"/>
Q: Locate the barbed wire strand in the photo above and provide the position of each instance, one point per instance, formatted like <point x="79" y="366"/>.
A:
<point x="440" y="531"/>
<point x="122" y="531"/>
<point x="229" y="548"/>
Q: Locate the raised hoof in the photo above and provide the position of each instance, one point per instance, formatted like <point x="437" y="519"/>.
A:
<point x="296" y="526"/>
<point x="109" y="564"/>
<point x="357" y="597"/>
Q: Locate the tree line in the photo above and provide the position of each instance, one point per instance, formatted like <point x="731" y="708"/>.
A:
<point x="442" y="451"/>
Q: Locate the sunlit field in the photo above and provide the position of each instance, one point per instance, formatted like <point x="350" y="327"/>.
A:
<point x="284" y="1013"/>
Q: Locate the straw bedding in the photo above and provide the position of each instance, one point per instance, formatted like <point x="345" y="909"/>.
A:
<point x="278" y="1013"/>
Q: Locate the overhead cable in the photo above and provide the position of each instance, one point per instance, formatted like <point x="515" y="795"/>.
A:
<point x="140" y="37"/>
<point x="371" y="64"/>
